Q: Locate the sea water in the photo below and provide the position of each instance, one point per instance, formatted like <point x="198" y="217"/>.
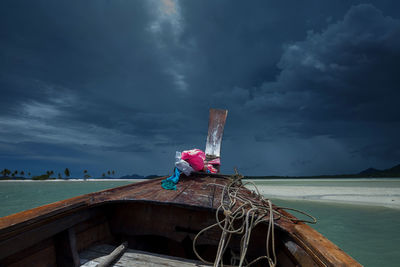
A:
<point x="369" y="234"/>
<point x="23" y="195"/>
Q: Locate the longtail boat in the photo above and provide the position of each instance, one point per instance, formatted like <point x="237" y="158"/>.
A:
<point x="210" y="219"/>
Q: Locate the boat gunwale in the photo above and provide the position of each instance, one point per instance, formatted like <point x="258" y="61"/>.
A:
<point x="51" y="210"/>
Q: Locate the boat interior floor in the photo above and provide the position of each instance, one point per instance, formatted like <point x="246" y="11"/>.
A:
<point x="92" y="256"/>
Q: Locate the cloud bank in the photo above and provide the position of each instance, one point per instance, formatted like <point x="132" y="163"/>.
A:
<point x="311" y="87"/>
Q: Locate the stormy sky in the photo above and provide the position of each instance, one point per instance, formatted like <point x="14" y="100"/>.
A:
<point x="312" y="87"/>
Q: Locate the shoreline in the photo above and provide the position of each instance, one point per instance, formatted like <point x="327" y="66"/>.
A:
<point x="369" y="196"/>
<point x="77" y="180"/>
<point x="357" y="195"/>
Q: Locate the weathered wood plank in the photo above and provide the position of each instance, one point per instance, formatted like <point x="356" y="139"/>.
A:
<point x="113" y="256"/>
<point x="216" y="124"/>
<point x="134" y="258"/>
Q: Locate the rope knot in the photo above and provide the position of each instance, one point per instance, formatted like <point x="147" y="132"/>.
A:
<point x="227" y="213"/>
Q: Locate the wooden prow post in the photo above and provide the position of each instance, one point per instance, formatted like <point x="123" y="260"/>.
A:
<point x="216" y="126"/>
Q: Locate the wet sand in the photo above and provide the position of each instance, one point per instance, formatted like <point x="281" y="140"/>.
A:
<point x="376" y="196"/>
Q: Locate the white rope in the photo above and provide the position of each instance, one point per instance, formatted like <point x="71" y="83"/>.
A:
<point x="250" y="211"/>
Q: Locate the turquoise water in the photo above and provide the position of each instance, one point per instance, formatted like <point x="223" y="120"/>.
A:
<point x="19" y="196"/>
<point x="369" y="234"/>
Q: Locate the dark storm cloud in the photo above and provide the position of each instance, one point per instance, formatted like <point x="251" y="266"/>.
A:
<point x="348" y="72"/>
<point x="101" y="55"/>
<point x="341" y="82"/>
<point x="90" y="48"/>
<point x="126" y="83"/>
<point x="243" y="42"/>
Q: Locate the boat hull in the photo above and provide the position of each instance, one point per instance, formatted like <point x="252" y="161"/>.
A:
<point x="153" y="220"/>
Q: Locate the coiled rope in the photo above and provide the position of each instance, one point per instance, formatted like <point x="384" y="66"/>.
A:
<point x="246" y="210"/>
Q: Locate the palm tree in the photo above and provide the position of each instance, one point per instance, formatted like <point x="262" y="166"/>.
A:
<point x="85" y="174"/>
<point x="66" y="172"/>
<point x="109" y="173"/>
<point x="113" y="172"/>
<point x="22" y="173"/>
<point x="103" y="175"/>
<point x="4" y="172"/>
<point x="49" y="173"/>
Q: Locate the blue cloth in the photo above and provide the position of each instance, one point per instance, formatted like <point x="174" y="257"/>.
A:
<point x="170" y="182"/>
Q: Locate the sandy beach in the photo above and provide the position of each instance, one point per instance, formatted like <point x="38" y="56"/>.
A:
<point x="376" y="196"/>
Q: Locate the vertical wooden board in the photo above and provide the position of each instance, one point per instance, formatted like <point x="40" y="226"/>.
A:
<point x="216" y="126"/>
<point x="92" y="235"/>
<point x="65" y="247"/>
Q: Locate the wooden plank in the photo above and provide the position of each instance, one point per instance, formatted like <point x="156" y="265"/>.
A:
<point x="114" y="255"/>
<point x="197" y="193"/>
<point x="133" y="258"/>
<point x="96" y="233"/>
<point x="65" y="246"/>
<point x="216" y="125"/>
<point x="45" y="257"/>
<point x="29" y="238"/>
<point x="173" y="222"/>
<point x="12" y="223"/>
<point x="299" y="254"/>
<point x="41" y="253"/>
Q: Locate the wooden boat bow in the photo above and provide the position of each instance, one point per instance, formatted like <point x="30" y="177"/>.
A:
<point x="19" y="232"/>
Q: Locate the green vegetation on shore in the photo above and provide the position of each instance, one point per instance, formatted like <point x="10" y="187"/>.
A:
<point x="7" y="174"/>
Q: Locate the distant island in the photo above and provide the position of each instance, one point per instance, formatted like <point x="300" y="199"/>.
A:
<point x="393" y="172"/>
<point x="6" y="174"/>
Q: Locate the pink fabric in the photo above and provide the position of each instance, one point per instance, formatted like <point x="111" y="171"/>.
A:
<point x="216" y="161"/>
<point x="195" y="158"/>
<point x="210" y="167"/>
